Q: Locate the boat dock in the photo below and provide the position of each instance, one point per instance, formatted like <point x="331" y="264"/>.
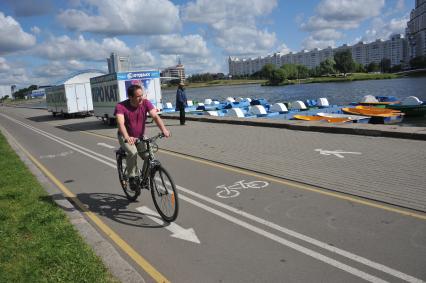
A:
<point x="391" y="131"/>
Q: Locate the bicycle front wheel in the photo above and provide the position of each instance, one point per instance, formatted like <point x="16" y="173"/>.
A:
<point x="164" y="194"/>
<point x="131" y="195"/>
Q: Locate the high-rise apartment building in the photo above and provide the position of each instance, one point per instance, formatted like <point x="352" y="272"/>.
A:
<point x="416" y="30"/>
<point x="118" y="63"/>
<point x="394" y="49"/>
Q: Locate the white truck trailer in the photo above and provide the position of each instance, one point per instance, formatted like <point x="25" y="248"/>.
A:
<point x="110" y="89"/>
<point x="72" y="96"/>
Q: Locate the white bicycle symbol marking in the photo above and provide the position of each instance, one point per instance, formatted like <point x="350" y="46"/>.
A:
<point x="233" y="190"/>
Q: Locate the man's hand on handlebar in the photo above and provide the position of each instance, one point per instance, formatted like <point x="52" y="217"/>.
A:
<point x="166" y="133"/>
<point x="131" y="140"/>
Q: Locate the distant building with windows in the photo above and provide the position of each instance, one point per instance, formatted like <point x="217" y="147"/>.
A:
<point x="395" y="49"/>
<point x="174" y="72"/>
<point x="118" y="63"/>
<point x="416" y="30"/>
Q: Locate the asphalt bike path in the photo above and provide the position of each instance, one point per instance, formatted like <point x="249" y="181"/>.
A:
<point x="236" y="238"/>
<point x="383" y="169"/>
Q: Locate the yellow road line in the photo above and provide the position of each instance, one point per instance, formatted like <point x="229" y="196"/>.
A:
<point x="142" y="262"/>
<point x="288" y="183"/>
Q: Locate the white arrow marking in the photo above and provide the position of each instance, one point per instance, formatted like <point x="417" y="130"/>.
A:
<point x="177" y="231"/>
<point x="337" y="153"/>
<point x="105" y="145"/>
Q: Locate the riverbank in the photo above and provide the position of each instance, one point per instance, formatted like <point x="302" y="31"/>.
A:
<point x="331" y="79"/>
<point x="218" y="83"/>
<point x="38" y="241"/>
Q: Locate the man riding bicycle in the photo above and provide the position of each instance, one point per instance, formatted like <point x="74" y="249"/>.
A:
<point x="131" y="117"/>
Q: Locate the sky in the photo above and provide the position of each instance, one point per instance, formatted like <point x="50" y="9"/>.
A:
<point x="43" y="41"/>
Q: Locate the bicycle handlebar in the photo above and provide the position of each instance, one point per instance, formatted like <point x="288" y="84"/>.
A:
<point x="149" y="140"/>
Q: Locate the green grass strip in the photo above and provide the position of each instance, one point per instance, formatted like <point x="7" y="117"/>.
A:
<point x="37" y="241"/>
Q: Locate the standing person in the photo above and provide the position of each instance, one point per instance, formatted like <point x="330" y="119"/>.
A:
<point x="181" y="102"/>
<point x="131" y="117"/>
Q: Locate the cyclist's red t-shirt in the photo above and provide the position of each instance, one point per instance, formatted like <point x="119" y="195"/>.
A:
<point x="134" y="117"/>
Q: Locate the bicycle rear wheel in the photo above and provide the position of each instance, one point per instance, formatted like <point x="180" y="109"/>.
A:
<point x="131" y="195"/>
<point x="164" y="194"/>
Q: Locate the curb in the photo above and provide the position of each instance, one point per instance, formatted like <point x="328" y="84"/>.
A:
<point x="350" y="129"/>
<point x="116" y="264"/>
<point x="413" y="133"/>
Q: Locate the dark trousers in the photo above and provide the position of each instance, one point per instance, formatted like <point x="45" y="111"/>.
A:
<point x="182" y="115"/>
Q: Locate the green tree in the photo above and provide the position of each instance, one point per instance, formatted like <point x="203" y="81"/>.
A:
<point x="418" y="62"/>
<point x="302" y="71"/>
<point x="396" y="68"/>
<point x="315" y="72"/>
<point x="173" y="82"/>
<point x="291" y="71"/>
<point x="266" y="71"/>
<point x="20" y="94"/>
<point x="344" y="62"/>
<point x="385" y="65"/>
<point x="373" y="67"/>
<point x="328" y="66"/>
<point x="359" y="68"/>
<point x="277" y="76"/>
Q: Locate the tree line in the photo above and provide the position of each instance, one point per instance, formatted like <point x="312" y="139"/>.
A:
<point x="205" y="77"/>
<point x="20" y="94"/>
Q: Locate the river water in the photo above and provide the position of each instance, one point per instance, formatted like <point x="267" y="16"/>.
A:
<point x="341" y="93"/>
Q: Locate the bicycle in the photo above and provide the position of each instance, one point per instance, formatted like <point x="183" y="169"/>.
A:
<point x="153" y="177"/>
<point x="233" y="190"/>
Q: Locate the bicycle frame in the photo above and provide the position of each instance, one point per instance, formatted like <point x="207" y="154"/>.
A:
<point x="151" y="162"/>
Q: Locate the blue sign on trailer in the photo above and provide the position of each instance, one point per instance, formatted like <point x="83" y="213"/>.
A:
<point x="38" y="93"/>
<point x="138" y="75"/>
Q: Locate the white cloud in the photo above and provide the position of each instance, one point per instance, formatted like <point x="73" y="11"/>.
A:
<point x="384" y="29"/>
<point x="12" y="37"/>
<point x="123" y="17"/>
<point x="245" y="40"/>
<point x="64" y="47"/>
<point x="3" y="65"/>
<point x="316" y="23"/>
<point x="342" y="14"/>
<point x="192" y="44"/>
<point x="283" y="49"/>
<point x="233" y="24"/>
<point x="349" y="10"/>
<point x="55" y="70"/>
<point x="142" y="59"/>
<point x="35" y="30"/>
<point x="331" y="16"/>
<point x="400" y="5"/>
<point x="310" y="43"/>
<point x="192" y="50"/>
<point x="327" y="34"/>
<point x="210" y="12"/>
<point x="18" y="76"/>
